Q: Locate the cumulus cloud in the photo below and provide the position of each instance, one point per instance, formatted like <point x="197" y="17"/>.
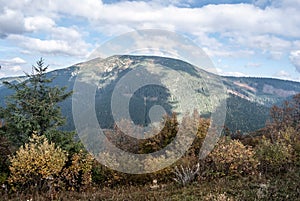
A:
<point x="12" y="65"/>
<point x="39" y="18"/>
<point x="58" y="39"/>
<point x="90" y="9"/>
<point x="223" y="30"/>
<point x="235" y="17"/>
<point x="242" y="23"/>
<point x="38" y="23"/>
<point x="265" y="43"/>
<point x="242" y="18"/>
<point x="11" y="22"/>
<point x="54" y="47"/>
<point x="219" y="52"/>
<point x="243" y="26"/>
<point x="13" y="61"/>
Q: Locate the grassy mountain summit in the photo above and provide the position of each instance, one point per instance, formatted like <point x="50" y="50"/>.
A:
<point x="248" y="99"/>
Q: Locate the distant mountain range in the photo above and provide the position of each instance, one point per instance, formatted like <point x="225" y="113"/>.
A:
<point x="248" y="99"/>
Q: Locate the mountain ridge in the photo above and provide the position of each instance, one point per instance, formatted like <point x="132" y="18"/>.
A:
<point x="249" y="98"/>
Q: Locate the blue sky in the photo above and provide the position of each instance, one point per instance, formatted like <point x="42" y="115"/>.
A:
<point x="258" y="38"/>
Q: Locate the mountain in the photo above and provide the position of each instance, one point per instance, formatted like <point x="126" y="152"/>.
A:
<point x="248" y="99"/>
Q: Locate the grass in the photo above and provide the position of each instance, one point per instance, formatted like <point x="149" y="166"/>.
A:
<point x="277" y="187"/>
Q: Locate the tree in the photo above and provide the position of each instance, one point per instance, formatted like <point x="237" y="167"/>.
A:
<point x="286" y="116"/>
<point x="33" y="108"/>
<point x="4" y="161"/>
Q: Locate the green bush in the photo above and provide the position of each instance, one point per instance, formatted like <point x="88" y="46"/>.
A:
<point x="274" y="157"/>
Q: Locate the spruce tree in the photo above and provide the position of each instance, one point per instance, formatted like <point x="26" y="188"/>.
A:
<point x="33" y="108"/>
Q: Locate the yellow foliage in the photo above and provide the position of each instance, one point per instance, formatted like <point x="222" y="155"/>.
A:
<point x="36" y="161"/>
<point x="78" y="175"/>
<point x="231" y="157"/>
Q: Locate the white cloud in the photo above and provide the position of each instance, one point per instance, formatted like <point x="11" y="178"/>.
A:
<point x="265" y="27"/>
<point x="18" y="60"/>
<point x="208" y="42"/>
<point x="265" y="43"/>
<point x="58" y="41"/>
<point x="90" y="9"/>
<point x="244" y="24"/>
<point x="295" y="59"/>
<point x="13" y="61"/>
<point x="55" y="47"/>
<point x="69" y="34"/>
<point x="19" y="17"/>
<point x="242" y="18"/>
<point x="11" y="22"/>
<point x="282" y="74"/>
<point x="213" y="52"/>
<point x="37" y="23"/>
<point x="12" y="66"/>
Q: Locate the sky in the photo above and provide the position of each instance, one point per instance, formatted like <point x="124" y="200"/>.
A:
<point x="259" y="38"/>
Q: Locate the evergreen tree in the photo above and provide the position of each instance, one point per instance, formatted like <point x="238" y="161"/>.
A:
<point x="33" y="108"/>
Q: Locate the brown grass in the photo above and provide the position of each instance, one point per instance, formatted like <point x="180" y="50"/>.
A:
<point x="281" y="187"/>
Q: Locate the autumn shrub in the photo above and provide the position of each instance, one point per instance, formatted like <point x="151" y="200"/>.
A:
<point x="291" y="137"/>
<point x="78" y="175"/>
<point x="192" y="127"/>
<point x="104" y="176"/>
<point x="273" y="157"/>
<point x="284" y="137"/>
<point x="36" y="163"/>
<point x="232" y="158"/>
<point x="297" y="153"/>
<point x="185" y="169"/>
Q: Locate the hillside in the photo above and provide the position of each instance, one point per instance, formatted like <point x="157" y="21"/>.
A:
<point x="248" y="99"/>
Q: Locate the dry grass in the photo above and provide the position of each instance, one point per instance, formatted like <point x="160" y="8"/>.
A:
<point x="282" y="187"/>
